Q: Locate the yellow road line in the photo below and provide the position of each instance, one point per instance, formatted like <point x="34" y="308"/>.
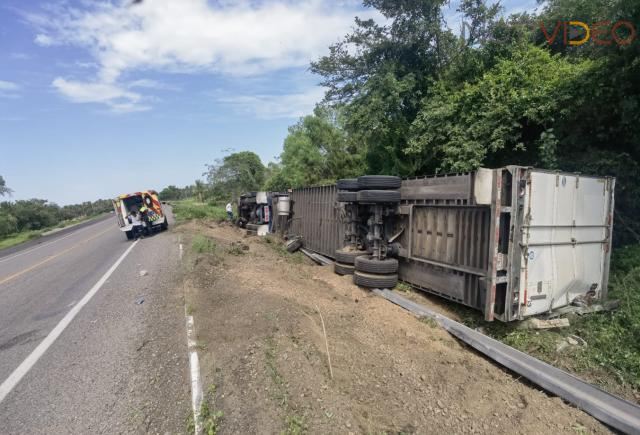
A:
<point x="48" y="259"/>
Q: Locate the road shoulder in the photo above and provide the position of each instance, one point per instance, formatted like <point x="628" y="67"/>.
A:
<point x="264" y="360"/>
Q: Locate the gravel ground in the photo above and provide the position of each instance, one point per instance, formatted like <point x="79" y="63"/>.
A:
<point x="264" y="360"/>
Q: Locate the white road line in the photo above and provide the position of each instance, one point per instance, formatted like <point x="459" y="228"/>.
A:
<point x="35" y="248"/>
<point x="194" y="364"/>
<point x="26" y="365"/>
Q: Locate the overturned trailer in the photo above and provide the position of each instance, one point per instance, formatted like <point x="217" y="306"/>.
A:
<point x="512" y="242"/>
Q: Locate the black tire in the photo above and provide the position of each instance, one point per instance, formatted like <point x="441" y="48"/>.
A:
<point x="347" y="257"/>
<point x="348" y="184"/>
<point x="294" y="245"/>
<point x="165" y="225"/>
<point x="343" y="269"/>
<point x="379" y="182"/>
<point x="373" y="265"/>
<point x="372" y="280"/>
<point x="129" y="235"/>
<point x="379" y="196"/>
<point x="347" y="196"/>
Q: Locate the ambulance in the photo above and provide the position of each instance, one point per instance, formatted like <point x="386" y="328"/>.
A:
<point x="144" y="202"/>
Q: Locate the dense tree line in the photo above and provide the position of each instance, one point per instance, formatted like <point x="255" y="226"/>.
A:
<point x="411" y="97"/>
<point x="172" y="192"/>
<point x="414" y="97"/>
<point x="39" y="214"/>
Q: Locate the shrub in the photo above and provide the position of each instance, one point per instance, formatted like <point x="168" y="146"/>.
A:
<point x="203" y="245"/>
<point x="189" y="209"/>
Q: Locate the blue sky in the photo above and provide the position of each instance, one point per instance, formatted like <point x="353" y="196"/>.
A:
<point x="99" y="98"/>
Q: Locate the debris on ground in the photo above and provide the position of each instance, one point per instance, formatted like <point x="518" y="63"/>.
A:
<point x="144" y="273"/>
<point x="318" y="258"/>
<point x="535" y="323"/>
<point x="571" y="340"/>
<point x="585" y="309"/>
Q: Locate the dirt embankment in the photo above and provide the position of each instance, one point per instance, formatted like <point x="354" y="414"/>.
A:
<point x="265" y="365"/>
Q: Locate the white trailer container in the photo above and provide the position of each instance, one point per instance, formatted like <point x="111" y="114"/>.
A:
<point x="512" y="242"/>
<point x="566" y="233"/>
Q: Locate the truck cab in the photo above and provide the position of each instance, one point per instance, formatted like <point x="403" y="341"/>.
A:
<point x="145" y="202"/>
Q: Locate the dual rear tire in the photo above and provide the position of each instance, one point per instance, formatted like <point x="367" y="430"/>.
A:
<point x="373" y="273"/>
<point x="372" y="280"/>
<point x="345" y="261"/>
<point x="366" y="270"/>
<point x="370" y="189"/>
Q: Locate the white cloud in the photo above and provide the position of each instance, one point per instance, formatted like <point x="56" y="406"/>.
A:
<point x="151" y="84"/>
<point x="9" y="89"/>
<point x="241" y="38"/>
<point x="43" y="40"/>
<point x="117" y="98"/>
<point x="275" y="106"/>
<point x="8" y="86"/>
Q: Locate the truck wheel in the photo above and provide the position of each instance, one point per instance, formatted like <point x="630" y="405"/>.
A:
<point x="165" y="225"/>
<point x="129" y="235"/>
<point x="294" y="245"/>
<point x="379" y="196"/>
<point x="347" y="256"/>
<point x="347" y="196"/>
<point x="373" y="265"/>
<point x="372" y="280"/>
<point x="379" y="182"/>
<point x="348" y="184"/>
<point x="343" y="269"/>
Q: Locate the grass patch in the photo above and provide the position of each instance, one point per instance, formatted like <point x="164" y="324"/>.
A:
<point x="403" y="287"/>
<point x="16" y="239"/>
<point x="203" y="245"/>
<point x="237" y="249"/>
<point x="281" y="394"/>
<point x="429" y="321"/>
<point x="190" y="209"/>
<point x="295" y="425"/>
<point x="209" y="416"/>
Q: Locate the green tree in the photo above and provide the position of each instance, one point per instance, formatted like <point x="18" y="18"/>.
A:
<point x="4" y="190"/>
<point x="507" y="117"/>
<point x="8" y="224"/>
<point x="235" y="174"/>
<point x="170" y="192"/>
<point x="380" y="73"/>
<point x="316" y="151"/>
<point x="199" y="189"/>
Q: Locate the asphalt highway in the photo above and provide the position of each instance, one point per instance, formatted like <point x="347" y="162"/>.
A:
<point x="88" y="344"/>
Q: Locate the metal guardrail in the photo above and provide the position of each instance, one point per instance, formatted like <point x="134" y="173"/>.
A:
<point x="608" y="408"/>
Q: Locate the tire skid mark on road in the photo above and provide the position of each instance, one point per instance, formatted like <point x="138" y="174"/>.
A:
<point x="51" y="257"/>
